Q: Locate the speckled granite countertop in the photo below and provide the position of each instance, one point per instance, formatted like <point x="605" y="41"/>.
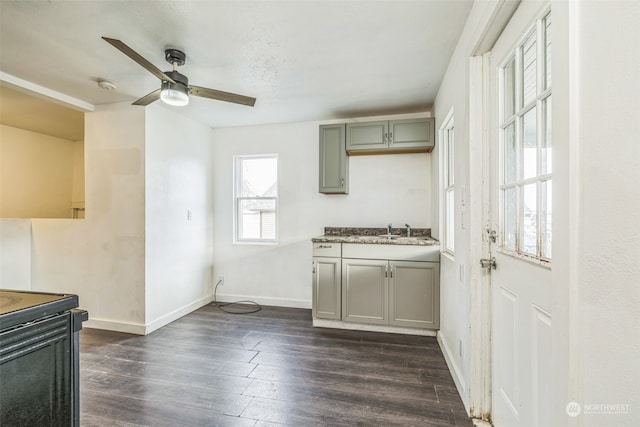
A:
<point x="419" y="236"/>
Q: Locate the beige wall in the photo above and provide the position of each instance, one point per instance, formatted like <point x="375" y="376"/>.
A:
<point x="40" y="175"/>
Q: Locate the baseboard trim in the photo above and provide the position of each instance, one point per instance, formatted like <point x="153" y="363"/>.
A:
<point x="454" y="369"/>
<point x="177" y="313"/>
<point x="276" y="302"/>
<point x="140" y="329"/>
<point x="113" y="325"/>
<point x="339" y="324"/>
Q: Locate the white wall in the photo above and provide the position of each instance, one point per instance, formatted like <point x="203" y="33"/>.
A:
<point x="101" y="258"/>
<point x="383" y="189"/>
<point x="15" y="254"/>
<point x="608" y="136"/>
<point x="179" y="178"/>
<point x="36" y="174"/>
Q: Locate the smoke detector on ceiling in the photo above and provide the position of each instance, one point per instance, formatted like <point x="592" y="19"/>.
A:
<point x="107" y="85"/>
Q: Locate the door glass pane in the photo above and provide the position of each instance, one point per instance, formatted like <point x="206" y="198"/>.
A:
<point x="529" y="70"/>
<point x="529" y="219"/>
<point x="509" y="90"/>
<point x="510" y="159"/>
<point x="545" y="218"/>
<point x="547" y="52"/>
<point x="510" y="217"/>
<point x="546" y="160"/>
<point x="529" y="144"/>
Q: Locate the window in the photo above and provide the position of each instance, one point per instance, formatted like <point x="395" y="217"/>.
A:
<point x="448" y="175"/>
<point x="256" y="198"/>
<point x="525" y="145"/>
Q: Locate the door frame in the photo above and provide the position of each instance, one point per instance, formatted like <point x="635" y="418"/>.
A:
<point x="479" y="222"/>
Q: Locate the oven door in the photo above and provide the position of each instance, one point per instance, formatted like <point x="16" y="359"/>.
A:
<point x="36" y="367"/>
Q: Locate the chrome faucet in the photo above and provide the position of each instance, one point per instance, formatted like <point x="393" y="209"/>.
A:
<point x="408" y="230"/>
<point x="389" y="229"/>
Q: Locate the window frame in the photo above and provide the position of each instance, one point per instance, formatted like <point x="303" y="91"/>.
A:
<point x="447" y="138"/>
<point x="238" y="160"/>
<point x="543" y="175"/>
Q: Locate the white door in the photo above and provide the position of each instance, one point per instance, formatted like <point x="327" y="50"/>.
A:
<point x="521" y="216"/>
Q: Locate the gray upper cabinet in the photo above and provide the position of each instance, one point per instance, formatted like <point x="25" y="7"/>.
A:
<point x="367" y="136"/>
<point x="334" y="163"/>
<point x="394" y="136"/>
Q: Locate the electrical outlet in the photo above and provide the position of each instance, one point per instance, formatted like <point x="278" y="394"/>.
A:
<point x="220" y="281"/>
<point x="189" y="215"/>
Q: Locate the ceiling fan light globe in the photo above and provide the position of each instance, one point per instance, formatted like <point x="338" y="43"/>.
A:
<point x="174" y="96"/>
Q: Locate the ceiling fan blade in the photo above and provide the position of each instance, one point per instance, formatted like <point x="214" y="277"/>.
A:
<point x="148" y="98"/>
<point x="122" y="47"/>
<point x="221" y="96"/>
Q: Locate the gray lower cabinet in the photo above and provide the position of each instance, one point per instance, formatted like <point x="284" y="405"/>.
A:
<point x="398" y="293"/>
<point x="414" y="294"/>
<point x="327" y="281"/>
<point x="334" y="162"/>
<point x="364" y="291"/>
<point x="391" y="136"/>
<point x="326" y="288"/>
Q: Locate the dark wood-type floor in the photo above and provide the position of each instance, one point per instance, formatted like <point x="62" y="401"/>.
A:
<point x="270" y="368"/>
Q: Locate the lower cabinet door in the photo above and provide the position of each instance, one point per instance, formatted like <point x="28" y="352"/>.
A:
<point x="414" y="294"/>
<point x="326" y="288"/>
<point x="364" y="291"/>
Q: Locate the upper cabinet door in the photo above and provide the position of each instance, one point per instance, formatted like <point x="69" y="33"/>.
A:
<point x="334" y="163"/>
<point x="412" y="133"/>
<point x="367" y="136"/>
<point x="388" y="137"/>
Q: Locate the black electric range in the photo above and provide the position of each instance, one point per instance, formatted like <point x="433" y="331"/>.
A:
<point x="39" y="358"/>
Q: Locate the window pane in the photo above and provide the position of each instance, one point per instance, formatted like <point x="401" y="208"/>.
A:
<point x="529" y="220"/>
<point x="450" y="203"/>
<point x="547" y="51"/>
<point x="257" y="219"/>
<point x="451" y="153"/>
<point x="509" y="90"/>
<point x="545" y="218"/>
<point x="546" y="160"/>
<point x="510" y="159"/>
<point x="529" y="70"/>
<point x="510" y="217"/>
<point x="529" y="144"/>
<point x="258" y="177"/>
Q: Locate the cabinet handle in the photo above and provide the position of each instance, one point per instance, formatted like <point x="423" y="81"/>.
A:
<point x="390" y="137"/>
<point x="342" y="182"/>
<point x="386" y="271"/>
<point x="314" y="268"/>
<point x="392" y="267"/>
<point x="325" y="247"/>
<point x="386" y="137"/>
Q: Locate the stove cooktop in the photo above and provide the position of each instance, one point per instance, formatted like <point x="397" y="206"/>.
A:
<point x="24" y="306"/>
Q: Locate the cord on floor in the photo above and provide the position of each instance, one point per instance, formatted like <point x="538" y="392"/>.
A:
<point x="221" y="305"/>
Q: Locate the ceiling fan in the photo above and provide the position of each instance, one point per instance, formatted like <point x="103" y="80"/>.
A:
<point x="175" y="88"/>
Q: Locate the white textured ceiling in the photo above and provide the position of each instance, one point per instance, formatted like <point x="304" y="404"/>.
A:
<point x="302" y="60"/>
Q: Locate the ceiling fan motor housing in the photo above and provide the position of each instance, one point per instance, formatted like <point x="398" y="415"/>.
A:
<point x="180" y="79"/>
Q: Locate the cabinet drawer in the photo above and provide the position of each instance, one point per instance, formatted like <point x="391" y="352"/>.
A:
<point x="392" y="252"/>
<point x="327" y="249"/>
